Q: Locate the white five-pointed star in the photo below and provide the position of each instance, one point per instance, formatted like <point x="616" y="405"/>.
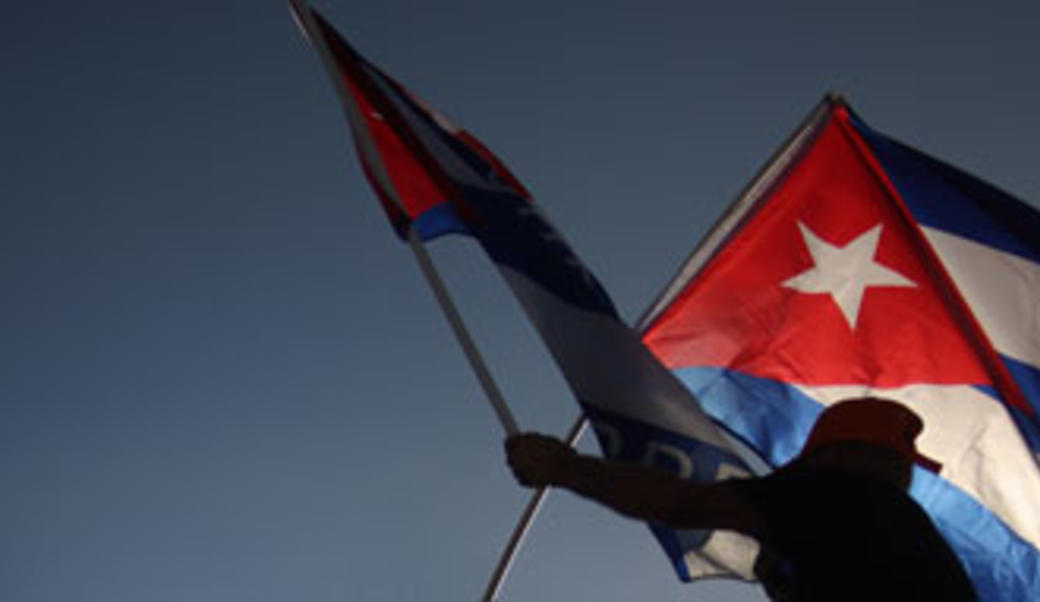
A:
<point x="845" y="272"/>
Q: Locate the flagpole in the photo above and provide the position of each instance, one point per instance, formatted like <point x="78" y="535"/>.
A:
<point x="752" y="192"/>
<point x="302" y="14"/>
<point x="779" y="161"/>
<point x="523" y="525"/>
<point x="458" y="327"/>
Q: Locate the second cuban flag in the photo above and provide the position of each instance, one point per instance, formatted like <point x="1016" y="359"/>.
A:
<point x="857" y="266"/>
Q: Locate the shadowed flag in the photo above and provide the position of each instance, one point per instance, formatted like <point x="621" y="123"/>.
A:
<point x="434" y="178"/>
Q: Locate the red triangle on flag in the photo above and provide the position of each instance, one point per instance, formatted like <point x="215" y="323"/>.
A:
<point x="825" y="283"/>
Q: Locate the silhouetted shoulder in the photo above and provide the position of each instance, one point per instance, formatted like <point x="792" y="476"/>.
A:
<point x="841" y="535"/>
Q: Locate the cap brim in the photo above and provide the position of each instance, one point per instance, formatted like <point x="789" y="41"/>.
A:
<point x="927" y="463"/>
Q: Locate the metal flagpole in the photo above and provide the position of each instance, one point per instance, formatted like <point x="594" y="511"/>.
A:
<point x="780" y="160"/>
<point x="505" y="561"/>
<point x="469" y="348"/>
<point x="752" y="192"/>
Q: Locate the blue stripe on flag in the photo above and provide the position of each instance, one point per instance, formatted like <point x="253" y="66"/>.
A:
<point x="944" y="197"/>
<point x="1028" y="378"/>
<point x="776" y="418"/>
<point x="514" y="233"/>
<point x="439" y="220"/>
<point x="772" y="417"/>
<point x="1002" y="565"/>
<point x="636" y="441"/>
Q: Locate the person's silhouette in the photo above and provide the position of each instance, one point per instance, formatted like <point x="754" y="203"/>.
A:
<point x="834" y="524"/>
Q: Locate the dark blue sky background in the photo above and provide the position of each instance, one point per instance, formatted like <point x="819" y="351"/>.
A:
<point x="223" y="379"/>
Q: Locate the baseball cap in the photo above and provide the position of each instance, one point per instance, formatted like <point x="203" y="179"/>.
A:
<point x="873" y="421"/>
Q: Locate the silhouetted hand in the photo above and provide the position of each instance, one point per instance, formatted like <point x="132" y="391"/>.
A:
<point x="537" y="460"/>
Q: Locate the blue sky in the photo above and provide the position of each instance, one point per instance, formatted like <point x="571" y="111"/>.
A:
<point x="224" y="379"/>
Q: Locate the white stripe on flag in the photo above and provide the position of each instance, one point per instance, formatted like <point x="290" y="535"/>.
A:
<point x="1001" y="289"/>
<point x="978" y="444"/>
<point x="608" y="366"/>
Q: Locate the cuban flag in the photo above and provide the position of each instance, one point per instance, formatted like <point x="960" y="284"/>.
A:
<point x="852" y="266"/>
<point x="856" y="266"/>
<point x="433" y="178"/>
